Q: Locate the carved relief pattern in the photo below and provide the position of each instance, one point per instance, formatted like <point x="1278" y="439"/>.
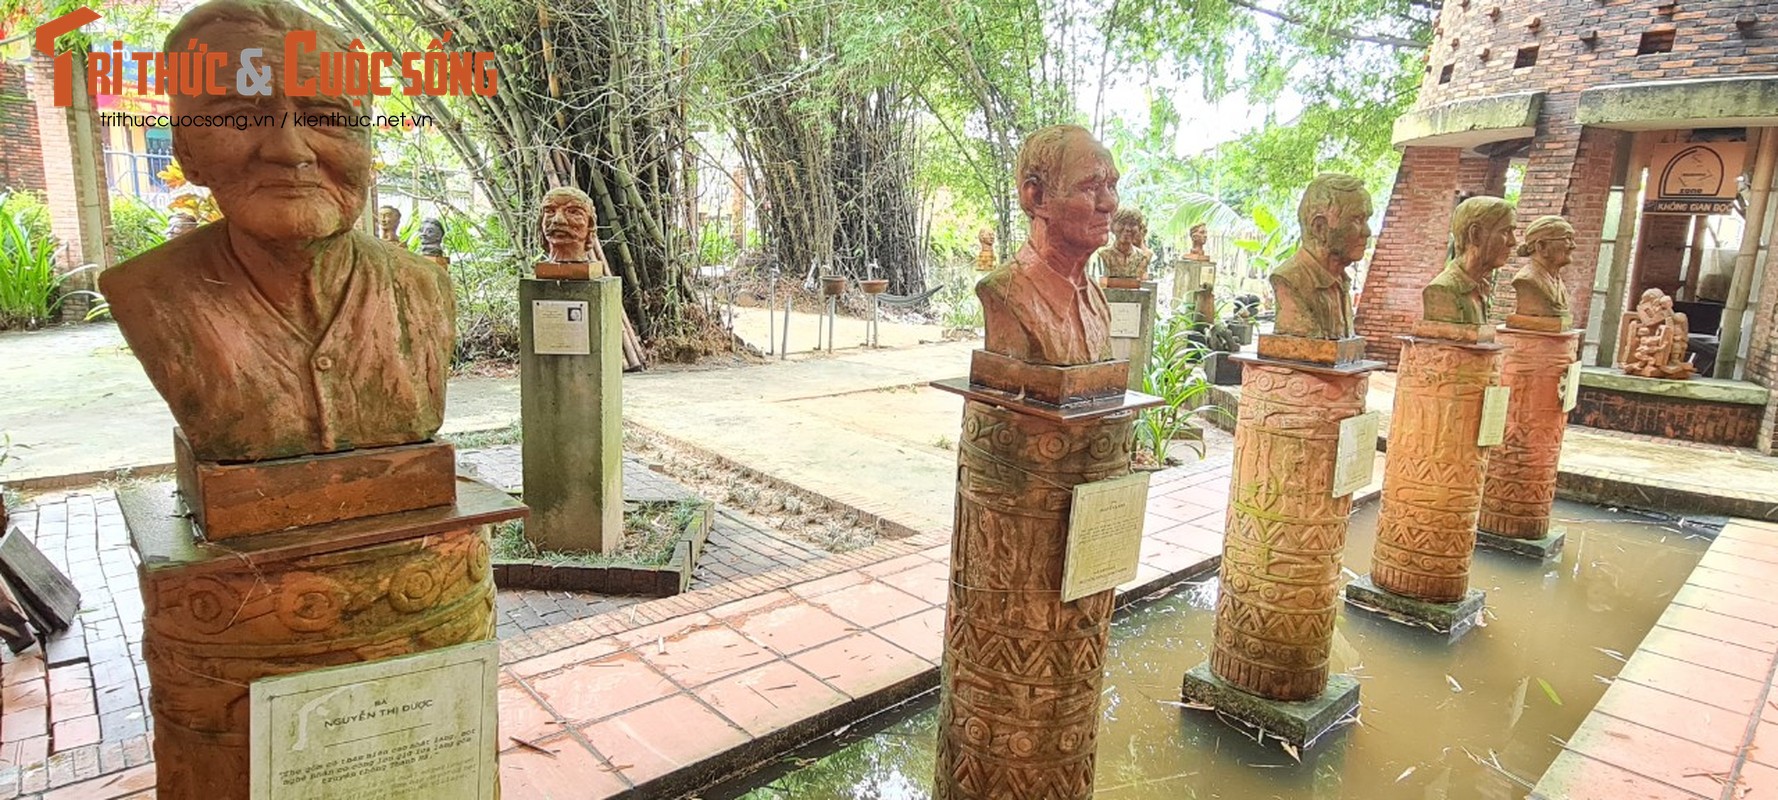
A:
<point x="1285" y="531"/>
<point x="1022" y="671"/>
<point x="209" y="635"/>
<point x="1432" y="483"/>
<point x="1521" y="480"/>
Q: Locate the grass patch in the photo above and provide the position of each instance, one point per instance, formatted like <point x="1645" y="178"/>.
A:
<point x="651" y="531"/>
<point x="476" y="440"/>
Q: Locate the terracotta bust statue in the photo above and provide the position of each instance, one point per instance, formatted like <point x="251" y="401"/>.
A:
<point x="1549" y="241"/>
<point x="1313" y="291"/>
<point x="1040" y="307"/>
<point x="432" y="234"/>
<point x="984" y="258"/>
<point x="180" y="223"/>
<point x="1481" y="240"/>
<point x="570" y="230"/>
<point x="1655" y="339"/>
<point x="283" y="330"/>
<point x="1200" y="234"/>
<point x="1126" y="258"/>
<point x="389" y="225"/>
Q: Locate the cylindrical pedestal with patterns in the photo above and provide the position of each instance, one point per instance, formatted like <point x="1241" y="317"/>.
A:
<point x="1022" y="670"/>
<point x="1432" y="482"/>
<point x="217" y="618"/>
<point x="1521" y="481"/>
<point x="1285" y="531"/>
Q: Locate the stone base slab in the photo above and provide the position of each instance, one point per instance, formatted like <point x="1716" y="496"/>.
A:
<point x="1300" y="723"/>
<point x="554" y="271"/>
<point x="1314" y="351"/>
<point x="1542" y="549"/>
<point x="1450" y="619"/>
<point x="230" y="500"/>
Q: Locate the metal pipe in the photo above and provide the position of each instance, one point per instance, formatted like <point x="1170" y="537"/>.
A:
<point x="1734" y="315"/>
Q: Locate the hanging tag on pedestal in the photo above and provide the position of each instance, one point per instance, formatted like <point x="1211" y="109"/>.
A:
<point x="1356" y="461"/>
<point x="1104" y="535"/>
<point x="1494" y="401"/>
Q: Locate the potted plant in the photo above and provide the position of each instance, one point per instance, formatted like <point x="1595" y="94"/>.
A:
<point x="1173" y="377"/>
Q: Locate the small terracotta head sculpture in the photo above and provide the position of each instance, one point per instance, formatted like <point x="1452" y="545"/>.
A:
<point x="180" y="223"/>
<point x="432" y="235"/>
<point x="985" y="236"/>
<point x="984" y="258"/>
<point x="1538" y="287"/>
<point x="389" y="224"/>
<point x="1040" y="307"/>
<point x="1313" y="291"/>
<point x="1481" y="241"/>
<point x="282" y="330"/>
<point x="1131" y="229"/>
<point x="1200" y="234"/>
<point x="568" y="225"/>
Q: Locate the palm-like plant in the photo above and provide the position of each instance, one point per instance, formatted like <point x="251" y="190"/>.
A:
<point x="29" y="285"/>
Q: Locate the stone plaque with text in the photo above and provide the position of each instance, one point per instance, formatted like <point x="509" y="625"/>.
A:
<point x="1494" y="402"/>
<point x="1356" y="459"/>
<point x="419" y="727"/>
<point x="1571" y="388"/>
<point x="560" y="328"/>
<point x="1104" y="535"/>
<point x="1126" y="320"/>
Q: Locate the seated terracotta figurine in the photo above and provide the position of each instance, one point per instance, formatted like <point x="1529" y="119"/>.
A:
<point x="1313" y="291"/>
<point x="283" y="330"/>
<point x="1540" y="298"/>
<point x="1481" y="241"/>
<point x="1040" y="307"/>
<point x="1655" y="339"/>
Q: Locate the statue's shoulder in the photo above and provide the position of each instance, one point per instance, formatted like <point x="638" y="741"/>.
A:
<point x="188" y="259"/>
<point x="1289" y="274"/>
<point x="998" y="282"/>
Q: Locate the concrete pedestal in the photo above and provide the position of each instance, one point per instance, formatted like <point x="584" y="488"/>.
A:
<point x="1299" y="722"/>
<point x="1432" y="485"/>
<point x="1521" y="480"/>
<point x="219" y="616"/>
<point x="1137" y="348"/>
<point x="1286" y="529"/>
<point x="1450" y="619"/>
<point x="1542" y="548"/>
<point x="1022" y="670"/>
<point x="571" y="410"/>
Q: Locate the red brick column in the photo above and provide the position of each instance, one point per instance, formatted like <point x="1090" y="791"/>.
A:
<point x="21" y="161"/>
<point x="1410" y="248"/>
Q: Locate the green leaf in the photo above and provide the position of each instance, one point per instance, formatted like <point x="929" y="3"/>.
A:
<point x="1549" y="691"/>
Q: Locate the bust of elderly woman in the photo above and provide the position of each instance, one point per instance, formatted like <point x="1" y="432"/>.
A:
<point x="1541" y="302"/>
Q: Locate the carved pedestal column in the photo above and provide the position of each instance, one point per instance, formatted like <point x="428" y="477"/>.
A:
<point x="1285" y="530"/>
<point x="217" y="617"/>
<point x="1022" y="670"/>
<point x="1521" y="479"/>
<point x="1432" y="487"/>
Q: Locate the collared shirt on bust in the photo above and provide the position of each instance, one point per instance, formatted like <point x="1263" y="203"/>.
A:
<point x="1052" y="319"/>
<point x="247" y="380"/>
<point x="1454" y="297"/>
<point x="1312" y="302"/>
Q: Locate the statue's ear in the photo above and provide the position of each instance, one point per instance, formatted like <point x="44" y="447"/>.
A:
<point x="1031" y="194"/>
<point x="1318" y="227"/>
<point x="187" y="164"/>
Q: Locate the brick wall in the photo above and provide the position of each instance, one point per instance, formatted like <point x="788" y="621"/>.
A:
<point x="21" y="160"/>
<point x="1410" y="247"/>
<point x="1762" y="349"/>
<point x="1660" y="256"/>
<point x="1706" y="41"/>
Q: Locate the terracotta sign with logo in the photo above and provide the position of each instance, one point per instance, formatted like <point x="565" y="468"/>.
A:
<point x="1694" y="178"/>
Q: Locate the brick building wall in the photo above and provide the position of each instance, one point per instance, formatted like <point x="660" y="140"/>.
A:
<point x="1406" y="257"/>
<point x="1660" y="256"/>
<point x="21" y="160"/>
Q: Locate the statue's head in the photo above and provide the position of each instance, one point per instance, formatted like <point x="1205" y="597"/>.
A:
<point x="1549" y="241"/>
<point x="1130" y="227"/>
<point x="275" y="182"/>
<point x="432" y="234"/>
<point x="180" y="223"/>
<point x="1482" y="234"/>
<point x="1200" y="234"/>
<point x="985" y="236"/>
<point x="1335" y="215"/>
<point x="568" y="224"/>
<point x="388" y="221"/>
<point x="1067" y="181"/>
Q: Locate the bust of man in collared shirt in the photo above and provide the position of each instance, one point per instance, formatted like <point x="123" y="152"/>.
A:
<point x="282" y="330"/>
<point x="1313" y="292"/>
<point x="1040" y="307"/>
<point x="1481" y="241"/>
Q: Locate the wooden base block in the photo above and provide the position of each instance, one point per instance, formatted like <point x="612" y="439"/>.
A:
<point x="1468" y="334"/>
<point x="553" y="271"/>
<point x="1123" y="283"/>
<point x="1046" y="383"/>
<point x="229" y="500"/>
<point x="219" y="616"/>
<point x="1314" y="351"/>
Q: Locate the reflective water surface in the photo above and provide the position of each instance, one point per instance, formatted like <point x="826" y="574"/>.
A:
<point x="1479" y="719"/>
